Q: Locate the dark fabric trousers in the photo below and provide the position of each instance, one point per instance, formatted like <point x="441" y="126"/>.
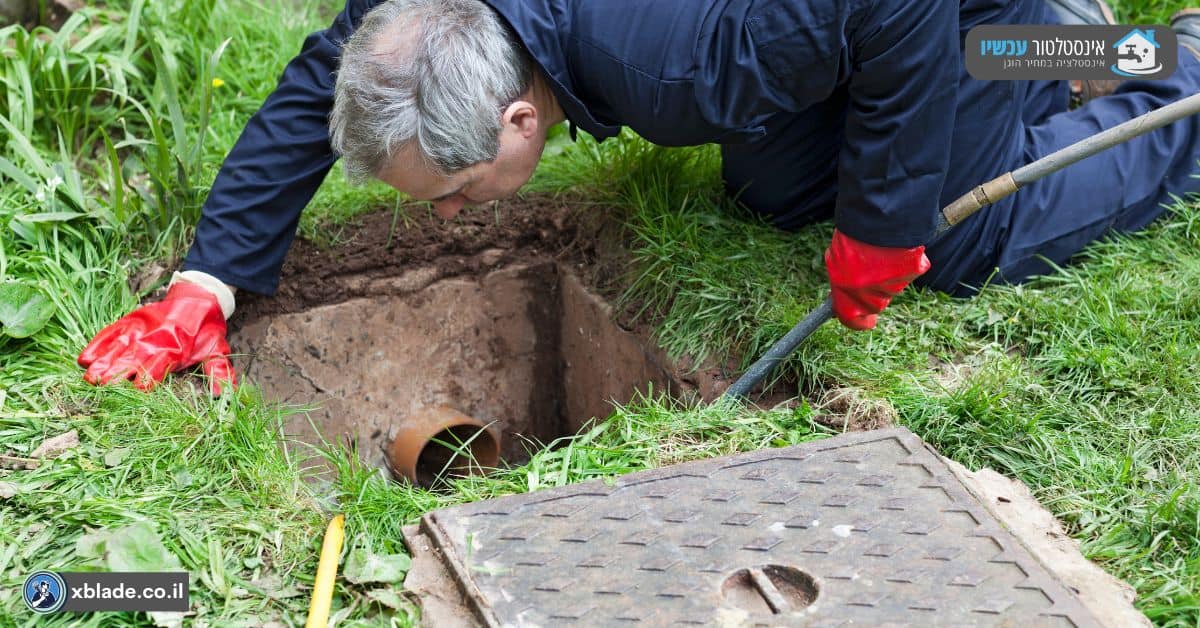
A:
<point x="790" y="175"/>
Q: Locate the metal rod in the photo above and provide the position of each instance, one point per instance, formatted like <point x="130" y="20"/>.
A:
<point x="971" y="202"/>
<point x="1106" y="139"/>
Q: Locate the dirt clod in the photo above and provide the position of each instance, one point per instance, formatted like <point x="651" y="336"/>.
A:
<point x="849" y="409"/>
<point x="148" y="277"/>
<point x="57" y="446"/>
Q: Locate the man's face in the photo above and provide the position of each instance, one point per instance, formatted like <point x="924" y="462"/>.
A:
<point x="521" y="144"/>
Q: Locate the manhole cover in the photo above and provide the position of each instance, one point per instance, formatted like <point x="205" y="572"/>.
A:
<point x="860" y="529"/>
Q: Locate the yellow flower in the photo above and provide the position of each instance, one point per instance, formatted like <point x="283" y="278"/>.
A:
<point x="217" y="83"/>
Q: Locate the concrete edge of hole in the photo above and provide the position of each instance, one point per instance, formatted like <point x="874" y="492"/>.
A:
<point x="1012" y="503"/>
<point x="441" y="600"/>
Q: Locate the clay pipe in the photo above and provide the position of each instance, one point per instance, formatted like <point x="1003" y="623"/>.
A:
<point x="424" y="445"/>
<point x="971" y="202"/>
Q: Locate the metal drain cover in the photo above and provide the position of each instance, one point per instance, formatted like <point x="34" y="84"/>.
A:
<point x="868" y="528"/>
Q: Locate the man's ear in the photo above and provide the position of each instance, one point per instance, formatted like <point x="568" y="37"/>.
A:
<point x="524" y="116"/>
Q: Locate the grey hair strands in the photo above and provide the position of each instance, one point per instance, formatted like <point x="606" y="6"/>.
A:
<point x="436" y="73"/>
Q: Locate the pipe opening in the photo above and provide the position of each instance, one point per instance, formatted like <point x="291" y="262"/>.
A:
<point x="457" y="451"/>
<point x="440" y="442"/>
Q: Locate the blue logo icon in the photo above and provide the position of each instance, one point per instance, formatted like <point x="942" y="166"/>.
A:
<point x="1137" y="54"/>
<point x="44" y="592"/>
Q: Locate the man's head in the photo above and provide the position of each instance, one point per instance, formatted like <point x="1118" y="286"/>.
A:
<point x="437" y="99"/>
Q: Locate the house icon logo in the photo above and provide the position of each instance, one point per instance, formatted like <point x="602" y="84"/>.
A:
<point x="1137" y="54"/>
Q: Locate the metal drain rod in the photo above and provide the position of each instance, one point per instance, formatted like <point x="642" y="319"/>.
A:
<point x="971" y="202"/>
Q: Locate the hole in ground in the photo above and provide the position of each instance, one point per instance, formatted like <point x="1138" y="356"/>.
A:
<point x="525" y="349"/>
<point x="491" y="314"/>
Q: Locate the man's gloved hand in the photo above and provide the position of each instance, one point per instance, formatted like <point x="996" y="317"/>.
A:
<point x="184" y="329"/>
<point x="864" y="277"/>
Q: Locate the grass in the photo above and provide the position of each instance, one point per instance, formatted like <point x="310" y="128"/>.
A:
<point x="1082" y="384"/>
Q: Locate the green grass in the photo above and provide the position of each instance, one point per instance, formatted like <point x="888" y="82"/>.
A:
<point x="1146" y="11"/>
<point x="338" y="202"/>
<point x="1082" y="384"/>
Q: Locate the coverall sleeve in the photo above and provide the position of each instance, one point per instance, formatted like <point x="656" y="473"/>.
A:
<point x="899" y="122"/>
<point x="250" y="217"/>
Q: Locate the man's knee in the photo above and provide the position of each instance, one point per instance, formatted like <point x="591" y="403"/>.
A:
<point x="786" y="202"/>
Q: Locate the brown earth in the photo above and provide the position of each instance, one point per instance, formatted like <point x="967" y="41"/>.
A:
<point x="377" y="248"/>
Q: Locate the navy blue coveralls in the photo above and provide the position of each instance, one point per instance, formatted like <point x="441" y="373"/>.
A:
<point x="859" y="109"/>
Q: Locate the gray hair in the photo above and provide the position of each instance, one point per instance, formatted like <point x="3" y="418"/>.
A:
<point x="437" y="72"/>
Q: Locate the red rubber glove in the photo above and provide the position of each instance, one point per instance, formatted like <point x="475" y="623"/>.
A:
<point x="184" y="329"/>
<point x="864" y="277"/>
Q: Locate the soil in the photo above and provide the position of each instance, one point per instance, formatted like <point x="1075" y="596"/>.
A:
<point x="849" y="409"/>
<point x="376" y="249"/>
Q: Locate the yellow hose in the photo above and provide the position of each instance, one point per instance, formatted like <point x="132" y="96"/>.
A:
<point x="331" y="549"/>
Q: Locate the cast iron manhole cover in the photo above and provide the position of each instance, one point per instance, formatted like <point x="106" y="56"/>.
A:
<point x="865" y="529"/>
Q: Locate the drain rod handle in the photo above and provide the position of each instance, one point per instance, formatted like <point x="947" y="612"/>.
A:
<point x="971" y="202"/>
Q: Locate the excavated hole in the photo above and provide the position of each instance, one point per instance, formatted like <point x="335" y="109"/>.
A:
<point x="526" y="348"/>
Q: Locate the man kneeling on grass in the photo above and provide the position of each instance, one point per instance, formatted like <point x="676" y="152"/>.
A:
<point x="857" y="110"/>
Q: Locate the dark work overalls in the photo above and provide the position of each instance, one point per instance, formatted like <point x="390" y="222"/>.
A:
<point x="856" y="109"/>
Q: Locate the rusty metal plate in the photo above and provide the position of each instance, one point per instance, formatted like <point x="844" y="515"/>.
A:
<point x="868" y="529"/>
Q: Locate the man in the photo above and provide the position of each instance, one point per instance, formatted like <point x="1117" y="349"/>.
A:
<point x="860" y="110"/>
<point x="43" y="597"/>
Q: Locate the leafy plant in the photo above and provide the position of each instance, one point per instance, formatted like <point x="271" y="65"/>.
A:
<point x="73" y="82"/>
<point x="24" y="310"/>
